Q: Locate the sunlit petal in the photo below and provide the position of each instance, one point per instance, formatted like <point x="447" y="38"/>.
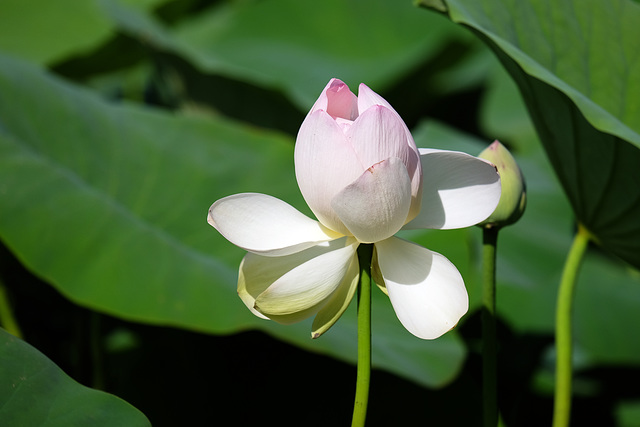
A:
<point x="380" y="133"/>
<point x="325" y="163"/>
<point x="459" y="190"/>
<point x="368" y="98"/>
<point x="266" y="225"/>
<point x="375" y="206"/>
<point x="425" y="289"/>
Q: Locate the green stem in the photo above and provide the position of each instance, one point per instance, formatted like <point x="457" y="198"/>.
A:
<point x="7" y="319"/>
<point x="365" y="254"/>
<point x="489" y="352"/>
<point x="562" y="402"/>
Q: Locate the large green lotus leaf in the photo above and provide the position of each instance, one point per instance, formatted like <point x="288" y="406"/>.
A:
<point x="35" y="392"/>
<point x="503" y="114"/>
<point x="108" y="203"/>
<point x="602" y="339"/>
<point x="576" y="65"/>
<point x="531" y="254"/>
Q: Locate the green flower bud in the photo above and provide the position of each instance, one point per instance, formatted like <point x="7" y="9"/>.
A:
<point x="514" y="197"/>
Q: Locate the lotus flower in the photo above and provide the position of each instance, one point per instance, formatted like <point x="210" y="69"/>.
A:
<point x="364" y="179"/>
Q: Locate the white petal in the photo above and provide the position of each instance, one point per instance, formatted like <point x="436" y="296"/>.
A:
<point x="266" y="225"/>
<point x="291" y="288"/>
<point x="378" y="134"/>
<point x="375" y="206"/>
<point x="459" y="190"/>
<point x="368" y="98"/>
<point x="425" y="289"/>
<point x="325" y="163"/>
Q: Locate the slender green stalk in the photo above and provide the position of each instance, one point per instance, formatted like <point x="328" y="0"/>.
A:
<point x="365" y="254"/>
<point x="7" y="319"/>
<point x="562" y="402"/>
<point x="489" y="352"/>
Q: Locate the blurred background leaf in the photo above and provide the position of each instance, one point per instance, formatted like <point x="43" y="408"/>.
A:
<point x="304" y="44"/>
<point x="57" y="30"/>
<point x="35" y="392"/>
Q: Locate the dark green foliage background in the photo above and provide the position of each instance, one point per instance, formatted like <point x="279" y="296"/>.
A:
<point x="121" y="121"/>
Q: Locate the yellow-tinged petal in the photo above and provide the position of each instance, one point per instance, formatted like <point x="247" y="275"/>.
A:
<point x="339" y="301"/>
<point x="253" y="267"/>
<point x="291" y="288"/>
<point x="376" y="275"/>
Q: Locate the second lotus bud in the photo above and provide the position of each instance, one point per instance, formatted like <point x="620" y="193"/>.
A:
<point x="514" y="196"/>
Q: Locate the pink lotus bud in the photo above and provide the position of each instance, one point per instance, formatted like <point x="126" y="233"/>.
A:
<point x="357" y="165"/>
